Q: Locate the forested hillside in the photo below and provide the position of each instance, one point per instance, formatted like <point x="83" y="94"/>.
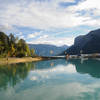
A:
<point x="11" y="46"/>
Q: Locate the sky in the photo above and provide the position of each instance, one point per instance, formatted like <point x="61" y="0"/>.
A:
<point x="55" y="22"/>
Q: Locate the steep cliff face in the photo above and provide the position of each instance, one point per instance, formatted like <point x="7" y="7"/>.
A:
<point x="89" y="43"/>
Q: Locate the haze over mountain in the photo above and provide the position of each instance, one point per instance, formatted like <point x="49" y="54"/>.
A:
<point x="89" y="43"/>
<point x="47" y="49"/>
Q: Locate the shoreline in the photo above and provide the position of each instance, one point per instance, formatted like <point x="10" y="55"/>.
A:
<point x="14" y="60"/>
<point x="4" y="61"/>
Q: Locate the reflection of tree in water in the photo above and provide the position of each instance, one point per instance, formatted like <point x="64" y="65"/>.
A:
<point x="13" y="74"/>
<point x="91" y="67"/>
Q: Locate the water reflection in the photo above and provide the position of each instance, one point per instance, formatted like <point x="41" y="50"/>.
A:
<point x="13" y="74"/>
<point x="91" y="67"/>
<point x="55" y="70"/>
<point x="51" y="80"/>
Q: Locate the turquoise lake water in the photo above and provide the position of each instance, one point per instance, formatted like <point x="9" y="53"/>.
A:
<point x="51" y="80"/>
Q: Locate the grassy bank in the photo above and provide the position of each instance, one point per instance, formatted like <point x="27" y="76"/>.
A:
<point x="19" y="60"/>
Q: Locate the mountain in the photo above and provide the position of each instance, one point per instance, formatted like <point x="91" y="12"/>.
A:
<point x="89" y="43"/>
<point x="47" y="49"/>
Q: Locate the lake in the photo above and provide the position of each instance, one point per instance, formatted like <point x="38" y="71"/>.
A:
<point x="51" y="80"/>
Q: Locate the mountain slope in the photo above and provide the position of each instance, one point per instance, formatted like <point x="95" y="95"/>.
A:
<point x="47" y="49"/>
<point x="89" y="43"/>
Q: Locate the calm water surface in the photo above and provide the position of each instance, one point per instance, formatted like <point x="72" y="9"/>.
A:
<point x="51" y="80"/>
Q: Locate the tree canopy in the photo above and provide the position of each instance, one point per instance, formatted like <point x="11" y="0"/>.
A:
<point x="11" y="46"/>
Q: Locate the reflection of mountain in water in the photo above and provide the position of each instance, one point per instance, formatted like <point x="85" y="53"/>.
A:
<point x="10" y="75"/>
<point x="91" y="67"/>
<point x="49" y="63"/>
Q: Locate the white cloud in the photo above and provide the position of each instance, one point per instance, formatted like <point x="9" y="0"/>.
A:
<point x="47" y="15"/>
<point x="47" y="73"/>
<point x="5" y="26"/>
<point x="34" y="35"/>
<point x="53" y="40"/>
<point x="89" y="4"/>
<point x="22" y="37"/>
<point x="65" y="0"/>
<point x="43" y="36"/>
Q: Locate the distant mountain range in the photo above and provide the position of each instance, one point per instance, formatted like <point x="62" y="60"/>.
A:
<point x="47" y="49"/>
<point x="85" y="44"/>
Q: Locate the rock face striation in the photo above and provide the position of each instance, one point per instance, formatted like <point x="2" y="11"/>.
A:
<point x="86" y="44"/>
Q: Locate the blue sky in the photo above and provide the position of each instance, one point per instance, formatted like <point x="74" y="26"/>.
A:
<point x="55" y="22"/>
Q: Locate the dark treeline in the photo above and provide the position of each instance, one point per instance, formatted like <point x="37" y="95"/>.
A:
<point x="11" y="46"/>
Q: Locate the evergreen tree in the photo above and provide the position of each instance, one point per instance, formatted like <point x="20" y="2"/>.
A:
<point x="12" y="47"/>
<point x="4" y="43"/>
<point x="22" y="48"/>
